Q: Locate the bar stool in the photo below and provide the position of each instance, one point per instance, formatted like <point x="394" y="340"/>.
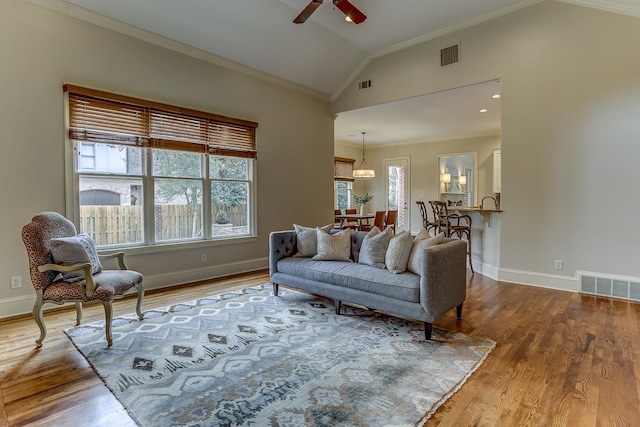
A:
<point x="428" y="225"/>
<point x="452" y="225"/>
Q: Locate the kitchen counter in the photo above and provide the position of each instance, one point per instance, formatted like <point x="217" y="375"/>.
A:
<point x="472" y="209"/>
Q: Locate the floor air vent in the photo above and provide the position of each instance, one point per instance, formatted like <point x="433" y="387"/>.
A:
<point x="610" y="286"/>
<point x="450" y="55"/>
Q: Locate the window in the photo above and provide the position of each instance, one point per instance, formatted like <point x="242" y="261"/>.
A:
<point x="144" y="172"/>
<point x="343" y="182"/>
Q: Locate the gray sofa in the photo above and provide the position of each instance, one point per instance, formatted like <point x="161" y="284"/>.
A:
<point x="440" y="286"/>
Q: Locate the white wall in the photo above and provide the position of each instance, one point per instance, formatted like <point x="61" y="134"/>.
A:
<point x="41" y="50"/>
<point x="570" y="81"/>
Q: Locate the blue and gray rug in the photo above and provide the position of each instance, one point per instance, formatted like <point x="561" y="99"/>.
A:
<point x="249" y="358"/>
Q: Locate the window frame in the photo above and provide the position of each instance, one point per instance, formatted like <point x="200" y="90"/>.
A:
<point x="73" y="175"/>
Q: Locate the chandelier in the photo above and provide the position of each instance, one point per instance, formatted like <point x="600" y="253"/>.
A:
<point x="363" y="171"/>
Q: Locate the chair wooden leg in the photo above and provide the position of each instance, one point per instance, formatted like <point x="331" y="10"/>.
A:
<point x="37" y="316"/>
<point x="78" y="313"/>
<point x="428" y="327"/>
<point x="108" y="318"/>
<point x="275" y="289"/>
<point x="140" y="289"/>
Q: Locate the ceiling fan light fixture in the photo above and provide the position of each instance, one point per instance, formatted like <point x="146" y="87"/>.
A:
<point x="363" y="171"/>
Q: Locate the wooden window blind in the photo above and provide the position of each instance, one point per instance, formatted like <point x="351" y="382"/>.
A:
<point x="343" y="170"/>
<point x="96" y="116"/>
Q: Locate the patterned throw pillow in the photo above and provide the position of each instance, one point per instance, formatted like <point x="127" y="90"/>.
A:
<point x="75" y="250"/>
<point x="307" y="242"/>
<point x="398" y="252"/>
<point x="333" y="247"/>
<point x="419" y="245"/>
<point x="374" y="247"/>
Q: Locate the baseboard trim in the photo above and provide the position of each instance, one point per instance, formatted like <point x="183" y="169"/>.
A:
<point x="10" y="307"/>
<point x="542" y="280"/>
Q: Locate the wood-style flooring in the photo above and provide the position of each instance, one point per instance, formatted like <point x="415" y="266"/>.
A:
<point x="562" y="359"/>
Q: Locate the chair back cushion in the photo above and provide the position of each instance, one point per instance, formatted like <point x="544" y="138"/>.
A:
<point x="37" y="237"/>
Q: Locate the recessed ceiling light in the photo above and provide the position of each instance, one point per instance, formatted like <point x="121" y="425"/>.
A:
<point x="484" y="110"/>
<point x="496" y="96"/>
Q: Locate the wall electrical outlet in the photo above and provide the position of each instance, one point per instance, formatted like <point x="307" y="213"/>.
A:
<point x="204" y="257"/>
<point x="558" y="264"/>
<point x="16" y="282"/>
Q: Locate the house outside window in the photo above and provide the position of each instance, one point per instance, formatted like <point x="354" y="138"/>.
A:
<point x="343" y="182"/>
<point x="160" y="173"/>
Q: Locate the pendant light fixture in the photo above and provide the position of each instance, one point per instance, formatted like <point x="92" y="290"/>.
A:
<point x="363" y="171"/>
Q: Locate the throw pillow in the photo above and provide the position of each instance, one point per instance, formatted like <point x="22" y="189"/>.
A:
<point x="75" y="250"/>
<point x="374" y="247"/>
<point x="398" y="252"/>
<point x="415" y="259"/>
<point x="333" y="247"/>
<point x="307" y="242"/>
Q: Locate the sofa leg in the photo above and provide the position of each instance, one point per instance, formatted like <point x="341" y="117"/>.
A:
<point x="338" y="304"/>
<point x="427" y="330"/>
<point x="459" y="311"/>
<point x="275" y="289"/>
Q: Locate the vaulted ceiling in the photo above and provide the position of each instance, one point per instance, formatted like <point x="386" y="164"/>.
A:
<point x="320" y="56"/>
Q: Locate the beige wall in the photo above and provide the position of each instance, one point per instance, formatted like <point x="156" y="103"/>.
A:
<point x="570" y="80"/>
<point x="41" y="50"/>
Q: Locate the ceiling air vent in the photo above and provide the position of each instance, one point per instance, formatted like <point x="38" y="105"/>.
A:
<point x="364" y="84"/>
<point x="450" y="55"/>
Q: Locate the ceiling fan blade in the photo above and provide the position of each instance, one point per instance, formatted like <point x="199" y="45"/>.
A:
<point x="306" y="13"/>
<point x="350" y="10"/>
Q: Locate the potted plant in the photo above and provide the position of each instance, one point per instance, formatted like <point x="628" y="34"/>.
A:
<point x="221" y="218"/>
<point x="362" y="200"/>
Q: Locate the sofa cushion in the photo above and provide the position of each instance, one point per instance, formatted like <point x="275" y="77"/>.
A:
<point x="398" y="252"/>
<point x="419" y="245"/>
<point x="374" y="247"/>
<point x="307" y="241"/>
<point x="353" y="275"/>
<point x="333" y="247"/>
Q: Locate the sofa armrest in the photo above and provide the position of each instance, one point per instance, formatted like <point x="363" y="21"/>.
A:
<point x="281" y="244"/>
<point x="443" y="279"/>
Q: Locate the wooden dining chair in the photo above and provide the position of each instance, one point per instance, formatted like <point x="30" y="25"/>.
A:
<point x="391" y="219"/>
<point x="378" y="221"/>
<point x="426" y="223"/>
<point x="336" y="221"/>
<point x="452" y="225"/>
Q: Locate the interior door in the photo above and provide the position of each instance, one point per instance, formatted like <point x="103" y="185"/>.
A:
<point x="397" y="189"/>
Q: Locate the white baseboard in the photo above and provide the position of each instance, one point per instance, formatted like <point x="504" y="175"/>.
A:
<point x="542" y="280"/>
<point x="10" y="307"/>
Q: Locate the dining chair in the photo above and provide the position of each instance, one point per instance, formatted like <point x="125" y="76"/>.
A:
<point x="452" y="225"/>
<point x="66" y="268"/>
<point x="391" y="219"/>
<point x="378" y="221"/>
<point x="336" y="221"/>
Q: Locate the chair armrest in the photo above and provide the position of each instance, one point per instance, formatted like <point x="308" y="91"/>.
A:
<point x="118" y="255"/>
<point x="281" y="244"/>
<point x="86" y="267"/>
<point x="458" y="217"/>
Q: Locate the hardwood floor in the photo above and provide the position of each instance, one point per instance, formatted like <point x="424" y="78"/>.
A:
<point x="562" y="359"/>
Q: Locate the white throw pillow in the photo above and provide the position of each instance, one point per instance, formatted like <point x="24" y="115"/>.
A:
<point x="374" y="247"/>
<point x="415" y="259"/>
<point x="398" y="252"/>
<point x="75" y="250"/>
<point x="333" y="247"/>
<point x="307" y="240"/>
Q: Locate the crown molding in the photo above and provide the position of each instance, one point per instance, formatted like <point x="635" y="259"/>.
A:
<point x="616" y="6"/>
<point x="433" y="35"/>
<point x="62" y="7"/>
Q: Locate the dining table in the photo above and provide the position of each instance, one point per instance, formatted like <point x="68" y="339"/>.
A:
<point x="354" y="217"/>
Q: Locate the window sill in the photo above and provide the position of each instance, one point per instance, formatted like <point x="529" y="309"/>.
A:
<point x="178" y="246"/>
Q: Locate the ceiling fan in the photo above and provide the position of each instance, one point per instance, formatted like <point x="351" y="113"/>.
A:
<point x="347" y="8"/>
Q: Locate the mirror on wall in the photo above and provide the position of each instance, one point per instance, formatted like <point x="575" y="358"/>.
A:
<point x="457" y="178"/>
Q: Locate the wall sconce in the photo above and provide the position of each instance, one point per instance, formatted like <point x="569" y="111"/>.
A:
<point x="462" y="180"/>
<point x="446" y="180"/>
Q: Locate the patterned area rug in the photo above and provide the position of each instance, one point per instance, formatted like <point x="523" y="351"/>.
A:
<point x="249" y="358"/>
